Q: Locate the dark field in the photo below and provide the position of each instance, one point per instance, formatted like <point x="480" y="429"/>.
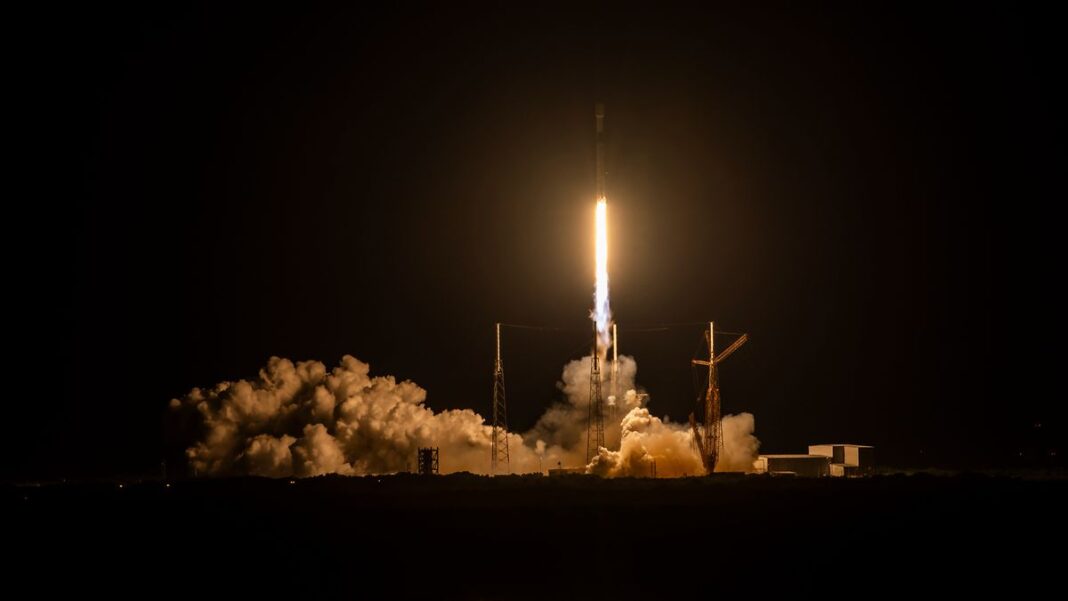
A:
<point x="464" y="536"/>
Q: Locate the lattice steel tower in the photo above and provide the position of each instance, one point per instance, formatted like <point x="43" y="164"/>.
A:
<point x="709" y="438"/>
<point x="499" y="450"/>
<point x="595" y="429"/>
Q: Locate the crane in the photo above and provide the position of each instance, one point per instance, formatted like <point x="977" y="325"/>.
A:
<point x="709" y="438"/>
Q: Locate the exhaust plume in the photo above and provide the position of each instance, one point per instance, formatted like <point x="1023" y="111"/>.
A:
<point x="602" y="313"/>
<point x="299" y="419"/>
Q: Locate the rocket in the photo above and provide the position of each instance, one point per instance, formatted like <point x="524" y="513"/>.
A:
<point x="598" y="112"/>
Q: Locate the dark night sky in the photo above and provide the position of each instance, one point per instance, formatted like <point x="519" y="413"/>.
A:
<point x="861" y="188"/>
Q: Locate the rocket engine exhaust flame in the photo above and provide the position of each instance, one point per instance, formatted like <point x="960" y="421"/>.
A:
<point x="602" y="313"/>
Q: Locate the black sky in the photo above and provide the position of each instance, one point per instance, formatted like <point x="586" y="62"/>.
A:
<point x="864" y="189"/>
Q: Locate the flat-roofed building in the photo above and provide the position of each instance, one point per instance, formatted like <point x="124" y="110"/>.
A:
<point x="847" y="459"/>
<point x="809" y="466"/>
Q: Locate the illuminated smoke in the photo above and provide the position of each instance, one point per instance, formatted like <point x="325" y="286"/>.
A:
<point x="739" y="445"/>
<point x="562" y="428"/>
<point x="647" y="441"/>
<point x="298" y="419"/>
<point x="602" y="313"/>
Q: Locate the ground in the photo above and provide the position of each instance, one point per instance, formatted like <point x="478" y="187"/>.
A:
<point x="465" y="536"/>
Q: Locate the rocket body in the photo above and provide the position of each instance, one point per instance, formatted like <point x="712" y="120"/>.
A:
<point x="599" y="114"/>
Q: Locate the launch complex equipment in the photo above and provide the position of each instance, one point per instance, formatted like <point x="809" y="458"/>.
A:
<point x="427" y="461"/>
<point x="499" y="450"/>
<point x="595" y="425"/>
<point x="595" y="428"/>
<point x="708" y="437"/>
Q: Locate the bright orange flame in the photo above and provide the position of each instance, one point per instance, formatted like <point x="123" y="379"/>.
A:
<point x="602" y="314"/>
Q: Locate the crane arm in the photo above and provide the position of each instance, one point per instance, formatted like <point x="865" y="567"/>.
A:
<point x="737" y="344"/>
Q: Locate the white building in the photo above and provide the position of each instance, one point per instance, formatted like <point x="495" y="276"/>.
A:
<point x="809" y="466"/>
<point x="847" y="459"/>
<point x="822" y="460"/>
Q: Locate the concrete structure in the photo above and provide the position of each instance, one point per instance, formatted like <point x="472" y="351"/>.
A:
<point x="809" y="466"/>
<point x="847" y="459"/>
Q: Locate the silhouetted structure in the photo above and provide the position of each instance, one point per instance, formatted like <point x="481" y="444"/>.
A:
<point x="427" y="461"/>
<point x="709" y="438"/>
<point x="848" y="460"/>
<point x="595" y="429"/>
<point x="842" y="460"/>
<point x="809" y="466"/>
<point x="499" y="445"/>
<point x="615" y="374"/>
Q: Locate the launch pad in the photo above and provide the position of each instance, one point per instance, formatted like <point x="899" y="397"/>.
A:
<point x="707" y="435"/>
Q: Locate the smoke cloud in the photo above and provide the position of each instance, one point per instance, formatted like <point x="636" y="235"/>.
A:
<point x="299" y="419"/>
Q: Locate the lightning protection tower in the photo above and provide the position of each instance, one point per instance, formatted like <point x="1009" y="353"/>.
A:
<point x="499" y="450"/>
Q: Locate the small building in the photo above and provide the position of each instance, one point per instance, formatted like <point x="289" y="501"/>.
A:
<point x="847" y="460"/>
<point x="808" y="466"/>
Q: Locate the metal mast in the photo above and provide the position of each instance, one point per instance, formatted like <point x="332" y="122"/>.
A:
<point x="710" y="440"/>
<point x="595" y="430"/>
<point x="499" y="450"/>
<point x="615" y="371"/>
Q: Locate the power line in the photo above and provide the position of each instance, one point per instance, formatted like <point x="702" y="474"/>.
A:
<point x="662" y="327"/>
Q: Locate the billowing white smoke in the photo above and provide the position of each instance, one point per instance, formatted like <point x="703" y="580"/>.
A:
<point x="298" y="419"/>
<point x="640" y="437"/>
<point x="651" y="445"/>
<point x="561" y="430"/>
